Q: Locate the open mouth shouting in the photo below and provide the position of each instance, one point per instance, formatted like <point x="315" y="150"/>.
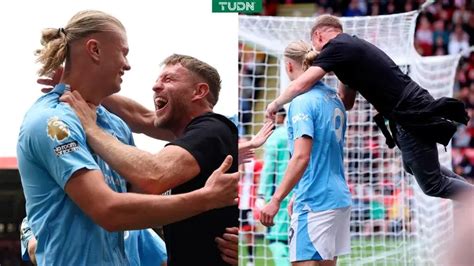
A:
<point x="160" y="103"/>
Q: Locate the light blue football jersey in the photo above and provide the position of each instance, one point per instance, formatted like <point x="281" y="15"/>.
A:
<point x="320" y="115"/>
<point x="51" y="147"/>
<point x="145" y="247"/>
<point x="142" y="247"/>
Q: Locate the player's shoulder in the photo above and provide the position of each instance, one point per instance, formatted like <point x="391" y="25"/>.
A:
<point x="116" y="122"/>
<point x="323" y="87"/>
<point x="49" y="113"/>
<point x="114" y="125"/>
<point x="312" y="95"/>
<point x="303" y="103"/>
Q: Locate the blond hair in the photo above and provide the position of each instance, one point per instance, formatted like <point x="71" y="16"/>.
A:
<point x="55" y="40"/>
<point x="203" y="70"/>
<point x="327" y="20"/>
<point x="301" y="52"/>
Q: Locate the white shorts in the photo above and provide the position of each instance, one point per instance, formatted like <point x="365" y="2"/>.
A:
<point x="320" y="235"/>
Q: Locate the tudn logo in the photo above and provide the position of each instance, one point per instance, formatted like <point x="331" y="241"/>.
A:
<point x="241" y="6"/>
<point x="57" y="129"/>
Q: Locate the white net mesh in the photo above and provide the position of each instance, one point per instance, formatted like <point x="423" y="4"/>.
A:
<point x="392" y="222"/>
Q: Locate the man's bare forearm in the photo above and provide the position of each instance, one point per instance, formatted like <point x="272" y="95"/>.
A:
<point x="116" y="211"/>
<point x="138" y="167"/>
<point x="131" y="211"/>
<point x="300" y="85"/>
<point x="296" y="167"/>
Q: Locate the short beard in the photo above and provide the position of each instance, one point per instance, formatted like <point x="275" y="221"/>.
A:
<point x="160" y="123"/>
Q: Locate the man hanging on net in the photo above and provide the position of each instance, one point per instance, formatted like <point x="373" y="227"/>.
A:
<point x="417" y="120"/>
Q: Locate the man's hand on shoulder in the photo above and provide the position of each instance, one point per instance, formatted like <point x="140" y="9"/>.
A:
<point x="51" y="81"/>
<point x="86" y="112"/>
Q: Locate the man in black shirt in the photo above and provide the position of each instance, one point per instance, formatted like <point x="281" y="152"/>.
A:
<point x="185" y="94"/>
<point x="418" y="121"/>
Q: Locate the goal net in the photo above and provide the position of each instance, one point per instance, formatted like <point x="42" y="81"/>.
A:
<point x="392" y="221"/>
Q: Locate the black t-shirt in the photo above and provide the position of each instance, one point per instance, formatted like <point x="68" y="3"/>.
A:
<point x="365" y="68"/>
<point x="209" y="138"/>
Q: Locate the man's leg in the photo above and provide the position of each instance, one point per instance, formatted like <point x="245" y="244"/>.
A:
<point x="445" y="171"/>
<point x="420" y="158"/>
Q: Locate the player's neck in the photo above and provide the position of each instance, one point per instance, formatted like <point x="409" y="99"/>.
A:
<point x="88" y="88"/>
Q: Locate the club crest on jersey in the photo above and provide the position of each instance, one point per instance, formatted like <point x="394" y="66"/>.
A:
<point x="57" y="129"/>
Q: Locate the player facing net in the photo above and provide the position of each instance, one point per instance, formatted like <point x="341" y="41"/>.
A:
<point x="392" y="221"/>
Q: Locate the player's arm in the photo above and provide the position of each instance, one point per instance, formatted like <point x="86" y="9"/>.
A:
<point x="127" y="211"/>
<point x="298" y="86"/>
<point x="347" y="95"/>
<point x="290" y="205"/>
<point x="152" y="173"/>
<point x="296" y="167"/>
<point x="139" y="118"/>
<point x="245" y="154"/>
<point x="31" y="247"/>
<point x="246" y="148"/>
<point x="259" y="139"/>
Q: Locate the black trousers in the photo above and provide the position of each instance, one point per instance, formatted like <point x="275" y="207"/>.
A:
<point x="420" y="158"/>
